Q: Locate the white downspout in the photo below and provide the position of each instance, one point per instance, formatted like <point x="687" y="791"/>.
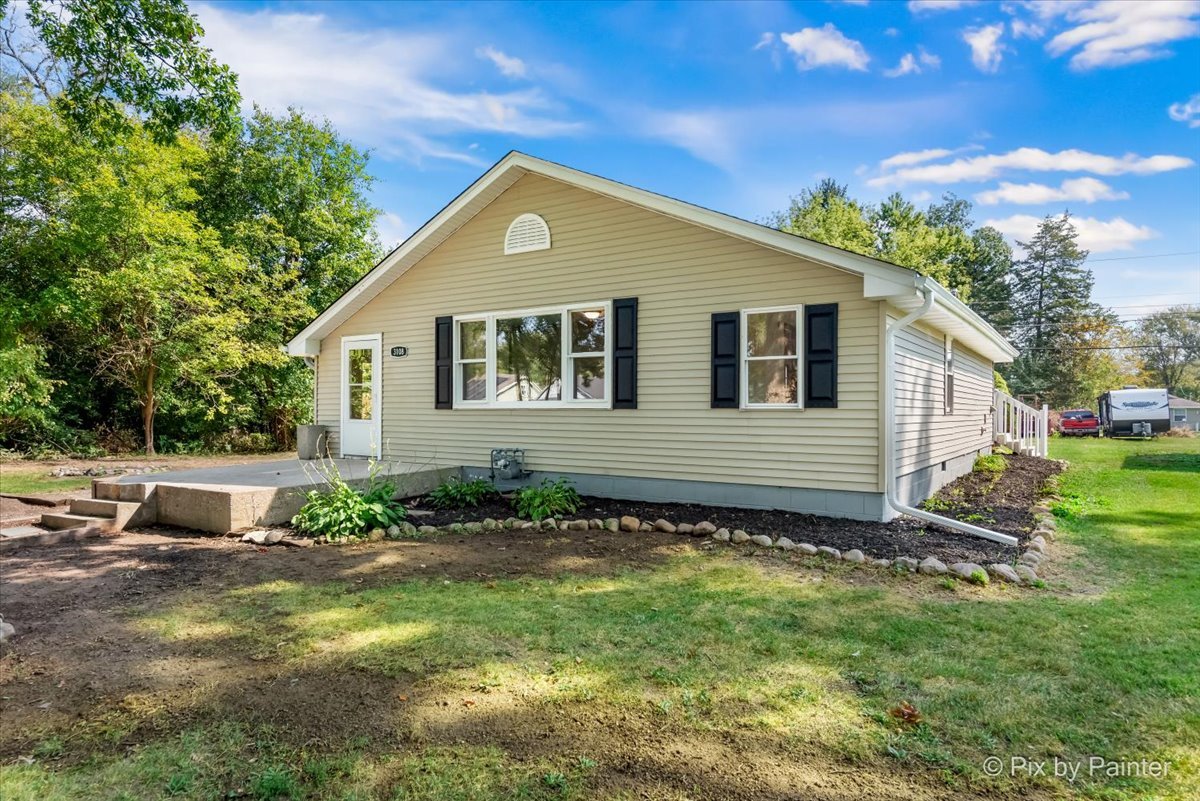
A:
<point x="889" y="446"/>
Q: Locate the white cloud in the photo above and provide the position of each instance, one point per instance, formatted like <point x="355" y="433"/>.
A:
<point x="1023" y="29"/>
<point x="919" y="6"/>
<point x="825" y="47"/>
<point x="981" y="168"/>
<point x="1097" y="236"/>
<point x="914" y="64"/>
<point x="914" y="157"/>
<point x="379" y="87"/>
<point x="1087" y="190"/>
<point x="928" y="59"/>
<point x="510" y="66"/>
<point x="1115" y="32"/>
<point x="1188" y="111"/>
<point x="391" y="229"/>
<point x="711" y="136"/>
<point x="907" y="66"/>
<point x="986" y="48"/>
<point x="923" y="196"/>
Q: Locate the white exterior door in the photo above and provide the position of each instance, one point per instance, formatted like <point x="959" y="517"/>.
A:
<point x="362" y="377"/>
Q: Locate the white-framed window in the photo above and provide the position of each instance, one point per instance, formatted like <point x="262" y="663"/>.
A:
<point x="948" y="384"/>
<point x="771" y="357"/>
<point x="1179" y="416"/>
<point x="534" y="358"/>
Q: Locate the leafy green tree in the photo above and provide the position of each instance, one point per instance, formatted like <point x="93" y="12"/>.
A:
<point x="826" y="214"/>
<point x="1170" y="346"/>
<point x="111" y="271"/>
<point x="291" y="195"/>
<point x="97" y="58"/>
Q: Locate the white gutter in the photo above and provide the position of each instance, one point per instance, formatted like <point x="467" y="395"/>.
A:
<point x="889" y="447"/>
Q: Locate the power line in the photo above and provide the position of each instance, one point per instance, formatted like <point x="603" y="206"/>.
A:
<point x="1151" y="256"/>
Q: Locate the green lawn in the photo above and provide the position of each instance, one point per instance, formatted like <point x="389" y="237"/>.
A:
<point x="1102" y="662"/>
<point x="15" y="480"/>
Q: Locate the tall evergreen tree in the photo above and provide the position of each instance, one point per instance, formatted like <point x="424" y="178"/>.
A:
<point x="990" y="272"/>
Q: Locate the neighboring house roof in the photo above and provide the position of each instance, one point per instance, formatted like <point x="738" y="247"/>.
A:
<point x="1176" y="402"/>
<point x="900" y="286"/>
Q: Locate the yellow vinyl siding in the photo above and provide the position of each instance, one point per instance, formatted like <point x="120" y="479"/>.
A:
<point x="681" y="274"/>
<point x="925" y="434"/>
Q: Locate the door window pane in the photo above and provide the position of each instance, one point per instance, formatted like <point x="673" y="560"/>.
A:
<point x="360" y="403"/>
<point x="472" y="339"/>
<point x="360" y="365"/>
<point x="771" y="333"/>
<point x="529" y="358"/>
<point x="588" y="378"/>
<point x="771" y="381"/>
<point x="587" y="331"/>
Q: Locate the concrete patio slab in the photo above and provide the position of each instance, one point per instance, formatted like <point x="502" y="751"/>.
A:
<point x="233" y="497"/>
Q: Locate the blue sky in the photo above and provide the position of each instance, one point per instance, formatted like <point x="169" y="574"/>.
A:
<point x="1026" y="108"/>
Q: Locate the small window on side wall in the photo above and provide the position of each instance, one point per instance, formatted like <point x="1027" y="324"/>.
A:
<point x="771" y="361"/>
<point x="949" y="377"/>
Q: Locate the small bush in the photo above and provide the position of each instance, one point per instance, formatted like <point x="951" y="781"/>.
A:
<point x="344" y="512"/>
<point x="457" y="494"/>
<point x="979" y="577"/>
<point x="549" y="499"/>
<point x="994" y="464"/>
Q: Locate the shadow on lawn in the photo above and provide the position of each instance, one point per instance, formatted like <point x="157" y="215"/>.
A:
<point x="1174" y="462"/>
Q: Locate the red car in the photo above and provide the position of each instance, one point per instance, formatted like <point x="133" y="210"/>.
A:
<point x="1079" y="423"/>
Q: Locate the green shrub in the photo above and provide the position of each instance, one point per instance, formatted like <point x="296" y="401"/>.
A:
<point x="455" y="493"/>
<point x="994" y="464"/>
<point x="549" y="499"/>
<point x="344" y="512"/>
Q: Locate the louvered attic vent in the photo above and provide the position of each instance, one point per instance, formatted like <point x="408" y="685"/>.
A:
<point x="527" y="232"/>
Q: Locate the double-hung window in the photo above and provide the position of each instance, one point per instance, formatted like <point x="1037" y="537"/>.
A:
<point x="771" y="361"/>
<point x="533" y="359"/>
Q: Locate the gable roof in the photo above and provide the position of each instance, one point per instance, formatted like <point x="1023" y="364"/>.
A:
<point x="1176" y="402"/>
<point x="900" y="286"/>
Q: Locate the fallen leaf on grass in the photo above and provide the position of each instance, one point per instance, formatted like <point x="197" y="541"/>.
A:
<point x="468" y="703"/>
<point x="906" y="713"/>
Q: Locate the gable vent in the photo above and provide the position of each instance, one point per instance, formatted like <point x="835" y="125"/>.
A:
<point x="527" y="232"/>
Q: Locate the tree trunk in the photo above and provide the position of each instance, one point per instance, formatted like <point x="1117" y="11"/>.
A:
<point x="148" y="403"/>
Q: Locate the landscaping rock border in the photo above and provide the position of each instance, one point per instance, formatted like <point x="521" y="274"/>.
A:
<point x="1023" y="570"/>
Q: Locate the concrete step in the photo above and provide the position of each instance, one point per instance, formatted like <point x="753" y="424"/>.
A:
<point x="60" y="521"/>
<point x="120" y="512"/>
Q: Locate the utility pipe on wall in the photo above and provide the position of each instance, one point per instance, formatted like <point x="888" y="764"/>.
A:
<point x="889" y="448"/>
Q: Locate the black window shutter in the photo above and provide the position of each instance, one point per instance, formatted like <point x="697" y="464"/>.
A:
<point x="820" y="356"/>
<point x="625" y="353"/>
<point x="443" y="363"/>
<point x="726" y="335"/>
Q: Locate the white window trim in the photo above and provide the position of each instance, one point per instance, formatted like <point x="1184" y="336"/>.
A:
<point x="799" y="357"/>
<point x="348" y="343"/>
<point x="567" y="357"/>
<point x="1179" y="415"/>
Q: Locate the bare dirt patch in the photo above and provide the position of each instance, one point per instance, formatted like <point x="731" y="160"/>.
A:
<point x="80" y="663"/>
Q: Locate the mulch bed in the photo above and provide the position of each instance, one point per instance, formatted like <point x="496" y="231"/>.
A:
<point x="1000" y="504"/>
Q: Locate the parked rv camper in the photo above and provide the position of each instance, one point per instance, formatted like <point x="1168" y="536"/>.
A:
<point x="1133" y="412"/>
